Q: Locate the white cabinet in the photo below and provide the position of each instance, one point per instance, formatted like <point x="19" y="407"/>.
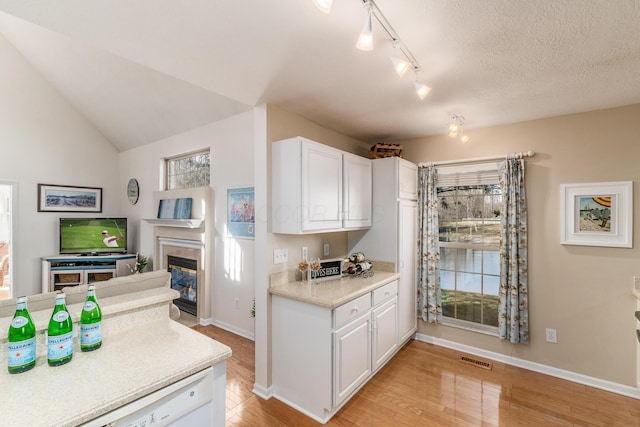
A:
<point x="316" y="188"/>
<point x="357" y="191"/>
<point x="322" y="356"/>
<point x="352" y="355"/>
<point x="393" y="237"/>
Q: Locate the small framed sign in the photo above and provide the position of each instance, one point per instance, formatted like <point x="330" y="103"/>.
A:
<point x="329" y="269"/>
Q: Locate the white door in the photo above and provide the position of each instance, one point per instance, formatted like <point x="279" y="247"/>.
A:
<point x="385" y="332"/>
<point x="352" y="357"/>
<point x="357" y="190"/>
<point x="6" y="196"/>
<point x="407" y="254"/>
<point x="321" y="187"/>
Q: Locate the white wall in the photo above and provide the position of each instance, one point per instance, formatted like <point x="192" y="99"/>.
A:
<point x="43" y="139"/>
<point x="231" y="144"/>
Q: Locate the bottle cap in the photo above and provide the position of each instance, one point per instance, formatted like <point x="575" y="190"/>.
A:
<point x="21" y="299"/>
<point x="60" y="294"/>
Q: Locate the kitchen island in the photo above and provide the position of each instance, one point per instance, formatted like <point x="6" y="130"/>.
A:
<point x="330" y="338"/>
<point x="145" y="360"/>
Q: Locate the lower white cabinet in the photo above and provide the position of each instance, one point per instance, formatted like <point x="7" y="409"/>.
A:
<point x="322" y="356"/>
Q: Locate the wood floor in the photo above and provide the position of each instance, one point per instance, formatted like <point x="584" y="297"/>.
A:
<point x="427" y="385"/>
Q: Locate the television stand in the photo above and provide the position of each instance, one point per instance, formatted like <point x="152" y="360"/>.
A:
<point x="74" y="270"/>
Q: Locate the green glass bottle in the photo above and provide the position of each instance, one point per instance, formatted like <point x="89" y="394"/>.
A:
<point x="21" y="340"/>
<point x="91" y="322"/>
<point x="60" y="334"/>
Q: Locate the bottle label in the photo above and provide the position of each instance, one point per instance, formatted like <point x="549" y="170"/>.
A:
<point x="19" y="321"/>
<point x="59" y="346"/>
<point x="21" y="306"/>
<point x="89" y="305"/>
<point x="91" y="333"/>
<point x="22" y="352"/>
<point x="61" y="316"/>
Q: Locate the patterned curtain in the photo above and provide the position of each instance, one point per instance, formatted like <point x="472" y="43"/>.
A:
<point x="429" y="296"/>
<point x="513" y="310"/>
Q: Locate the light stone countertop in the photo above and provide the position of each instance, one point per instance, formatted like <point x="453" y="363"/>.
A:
<point x="332" y="293"/>
<point x="129" y="365"/>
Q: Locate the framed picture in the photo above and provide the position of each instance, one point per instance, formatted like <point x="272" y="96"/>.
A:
<point x="65" y="198"/>
<point x="241" y="217"/>
<point x="175" y="208"/>
<point x="597" y="214"/>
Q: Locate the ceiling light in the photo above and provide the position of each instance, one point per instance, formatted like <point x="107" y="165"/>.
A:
<point x="323" y="5"/>
<point x="421" y="90"/>
<point x="400" y="65"/>
<point x="456" y="128"/>
<point x="365" y="41"/>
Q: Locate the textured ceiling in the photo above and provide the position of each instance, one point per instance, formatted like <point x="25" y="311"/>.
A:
<point x="147" y="69"/>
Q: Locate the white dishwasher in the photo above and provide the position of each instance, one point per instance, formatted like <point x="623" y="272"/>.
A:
<point x="188" y="402"/>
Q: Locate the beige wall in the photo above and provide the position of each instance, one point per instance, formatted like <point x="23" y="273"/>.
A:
<point x="583" y="292"/>
<point x="281" y="125"/>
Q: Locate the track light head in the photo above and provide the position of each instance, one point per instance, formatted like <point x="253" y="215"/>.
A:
<point x="365" y="41"/>
<point x="456" y="128"/>
<point x="323" y="5"/>
<point x="421" y="90"/>
<point x="400" y="65"/>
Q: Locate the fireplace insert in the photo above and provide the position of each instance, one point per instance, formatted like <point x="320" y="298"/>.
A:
<point x="184" y="279"/>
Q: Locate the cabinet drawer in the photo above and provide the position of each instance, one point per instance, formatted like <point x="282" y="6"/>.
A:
<point x="385" y="292"/>
<point x="351" y="310"/>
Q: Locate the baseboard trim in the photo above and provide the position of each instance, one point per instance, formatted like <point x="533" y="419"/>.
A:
<point x="264" y="392"/>
<point x="245" y="334"/>
<point x="621" y="389"/>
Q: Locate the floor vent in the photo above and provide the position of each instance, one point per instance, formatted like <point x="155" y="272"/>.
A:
<point x="476" y="363"/>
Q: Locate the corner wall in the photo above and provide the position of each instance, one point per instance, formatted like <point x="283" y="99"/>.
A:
<point x="45" y="140"/>
<point x="583" y="292"/>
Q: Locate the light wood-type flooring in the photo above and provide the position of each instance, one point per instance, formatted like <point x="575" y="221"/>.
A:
<point x="427" y="385"/>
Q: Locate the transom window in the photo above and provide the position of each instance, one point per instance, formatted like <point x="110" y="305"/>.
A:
<point x="469" y="235"/>
<point x="188" y="171"/>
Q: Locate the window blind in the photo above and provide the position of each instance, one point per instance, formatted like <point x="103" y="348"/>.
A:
<point x="462" y="175"/>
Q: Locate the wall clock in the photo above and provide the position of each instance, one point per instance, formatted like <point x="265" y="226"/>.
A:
<point x="133" y="191"/>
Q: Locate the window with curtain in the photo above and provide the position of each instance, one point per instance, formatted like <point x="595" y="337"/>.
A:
<point x="188" y="171"/>
<point x="469" y="204"/>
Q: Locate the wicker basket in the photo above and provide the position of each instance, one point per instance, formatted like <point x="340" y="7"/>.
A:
<point x="380" y="150"/>
<point x="68" y="278"/>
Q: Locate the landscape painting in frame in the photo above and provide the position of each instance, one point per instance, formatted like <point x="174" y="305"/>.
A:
<point x="597" y="214"/>
<point x="241" y="216"/>
<point x="65" y="198"/>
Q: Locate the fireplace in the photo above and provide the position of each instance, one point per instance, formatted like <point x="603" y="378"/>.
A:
<point x="184" y="279"/>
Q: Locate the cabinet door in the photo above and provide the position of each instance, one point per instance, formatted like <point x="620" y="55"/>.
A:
<point x="357" y="191"/>
<point x="352" y="357"/>
<point x="385" y="332"/>
<point x="407" y="264"/>
<point x="408" y="180"/>
<point x="321" y="187"/>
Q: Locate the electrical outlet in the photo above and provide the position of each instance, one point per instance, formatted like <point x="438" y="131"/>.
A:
<point x="552" y="336"/>
<point x="305" y="252"/>
<point x="326" y="249"/>
<point x="280" y="256"/>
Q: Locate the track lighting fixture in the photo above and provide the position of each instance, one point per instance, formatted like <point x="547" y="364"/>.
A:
<point x="323" y="5"/>
<point x="421" y="90"/>
<point x="456" y="128"/>
<point x="400" y="65"/>
<point x="365" y="42"/>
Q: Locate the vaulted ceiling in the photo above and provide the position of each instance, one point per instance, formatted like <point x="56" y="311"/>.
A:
<point x="143" y="70"/>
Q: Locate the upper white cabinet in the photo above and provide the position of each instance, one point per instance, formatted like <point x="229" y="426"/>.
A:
<point x="356" y="191"/>
<point x="316" y="188"/>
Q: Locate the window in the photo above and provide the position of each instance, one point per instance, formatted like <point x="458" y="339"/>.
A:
<point x="189" y="171"/>
<point x="469" y="229"/>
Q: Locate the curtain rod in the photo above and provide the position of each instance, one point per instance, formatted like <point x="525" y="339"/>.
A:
<point x="520" y="155"/>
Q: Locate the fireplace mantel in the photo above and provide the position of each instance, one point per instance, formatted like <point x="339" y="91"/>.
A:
<point x="183" y="223"/>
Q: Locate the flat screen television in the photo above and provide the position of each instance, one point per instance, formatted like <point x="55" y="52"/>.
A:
<point x="93" y="236"/>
